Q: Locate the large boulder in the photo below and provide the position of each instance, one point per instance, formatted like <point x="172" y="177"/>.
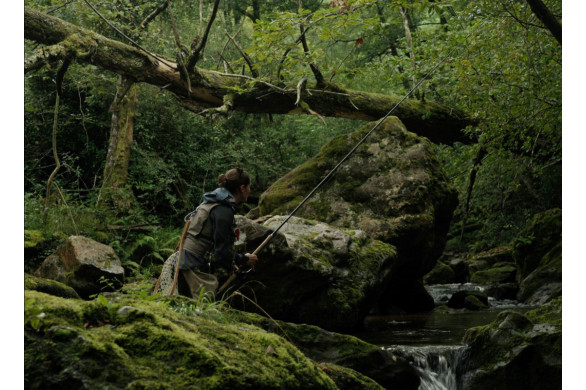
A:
<point x="538" y="254"/>
<point x="84" y="264"/>
<point x="314" y="273"/>
<point x="517" y="351"/>
<point x="128" y="343"/>
<point x="393" y="188"/>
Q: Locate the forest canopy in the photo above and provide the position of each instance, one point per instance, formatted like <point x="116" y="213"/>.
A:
<point x="128" y="147"/>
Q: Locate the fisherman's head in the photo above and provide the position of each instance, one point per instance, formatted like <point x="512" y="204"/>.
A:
<point x="237" y="181"/>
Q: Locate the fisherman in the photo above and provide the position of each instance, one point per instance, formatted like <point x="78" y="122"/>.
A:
<point x="212" y="226"/>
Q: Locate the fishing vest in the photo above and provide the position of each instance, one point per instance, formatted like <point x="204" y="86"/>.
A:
<point x="199" y="238"/>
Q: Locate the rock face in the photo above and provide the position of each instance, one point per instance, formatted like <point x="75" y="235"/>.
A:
<point x="517" y="351"/>
<point x="392" y="188"/>
<point x="315" y="273"/>
<point x="81" y="263"/>
<point x="538" y="254"/>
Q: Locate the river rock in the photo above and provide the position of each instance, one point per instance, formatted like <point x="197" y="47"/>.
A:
<point x="468" y="299"/>
<point x="517" y="351"/>
<point x="87" y="266"/>
<point x="89" y="345"/>
<point x="393" y="188"/>
<point x="500" y="273"/>
<point x="440" y="274"/>
<point x="315" y="273"/>
<point x="538" y="254"/>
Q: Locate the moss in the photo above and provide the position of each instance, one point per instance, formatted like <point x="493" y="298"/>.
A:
<point x="47" y="286"/>
<point x="37" y="246"/>
<point x="503" y="274"/>
<point x="550" y="313"/>
<point x="347" y="379"/>
<point x="157" y="348"/>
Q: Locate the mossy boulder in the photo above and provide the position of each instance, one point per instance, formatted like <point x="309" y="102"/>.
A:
<point x="87" y="266"/>
<point x="48" y="286"/>
<point x="393" y="188"/>
<point x="37" y="246"/>
<point x="502" y="273"/>
<point x="517" y="351"/>
<point x="486" y="260"/>
<point x="315" y="273"/>
<point x="125" y="343"/>
<point x="381" y="365"/>
<point x="538" y="255"/>
<point x="440" y="274"/>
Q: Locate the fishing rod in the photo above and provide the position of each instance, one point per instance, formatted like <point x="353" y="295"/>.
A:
<point x="331" y="173"/>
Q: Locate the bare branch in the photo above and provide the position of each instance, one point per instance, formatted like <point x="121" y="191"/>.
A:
<point x="197" y="52"/>
<point x="316" y="72"/>
<point x="155" y="13"/>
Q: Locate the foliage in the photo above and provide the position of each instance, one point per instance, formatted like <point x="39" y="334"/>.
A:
<point x="33" y="315"/>
<point x="504" y="70"/>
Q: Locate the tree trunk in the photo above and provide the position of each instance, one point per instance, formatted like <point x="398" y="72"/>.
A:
<point x="409" y="39"/>
<point x="547" y="18"/>
<point x="114" y="189"/>
<point x="222" y="91"/>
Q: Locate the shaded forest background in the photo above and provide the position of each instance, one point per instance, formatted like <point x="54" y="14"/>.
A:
<point x="505" y="74"/>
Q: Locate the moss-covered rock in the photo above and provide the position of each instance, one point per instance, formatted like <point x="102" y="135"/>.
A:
<point x="37" y="246"/>
<point x="489" y="259"/>
<point x="468" y="299"/>
<point x="503" y="273"/>
<point x="517" y="351"/>
<point x="383" y="366"/>
<point x="392" y="187"/>
<point x="347" y="379"/>
<point x="315" y="273"/>
<point x="84" y="264"/>
<point x="47" y="286"/>
<point x="126" y="343"/>
<point x="440" y="274"/>
<point x="538" y="254"/>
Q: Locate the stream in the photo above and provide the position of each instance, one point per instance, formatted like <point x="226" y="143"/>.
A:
<point x="432" y="342"/>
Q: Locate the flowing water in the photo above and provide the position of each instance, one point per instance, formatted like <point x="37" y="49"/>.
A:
<point x="432" y="342"/>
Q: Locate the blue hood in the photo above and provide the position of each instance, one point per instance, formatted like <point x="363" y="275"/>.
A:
<point x="220" y="195"/>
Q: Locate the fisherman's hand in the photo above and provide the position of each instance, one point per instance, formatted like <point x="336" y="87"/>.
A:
<point x="252" y="259"/>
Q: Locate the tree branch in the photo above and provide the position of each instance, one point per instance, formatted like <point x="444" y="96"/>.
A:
<point x="547" y="18"/>
<point x="197" y="52"/>
<point x="321" y="82"/>
<point x="155" y="13"/>
<point x="441" y="124"/>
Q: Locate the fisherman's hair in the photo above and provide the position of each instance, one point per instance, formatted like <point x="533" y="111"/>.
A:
<point x="233" y="179"/>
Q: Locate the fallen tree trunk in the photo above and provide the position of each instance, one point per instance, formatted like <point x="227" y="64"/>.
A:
<point x="223" y="92"/>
